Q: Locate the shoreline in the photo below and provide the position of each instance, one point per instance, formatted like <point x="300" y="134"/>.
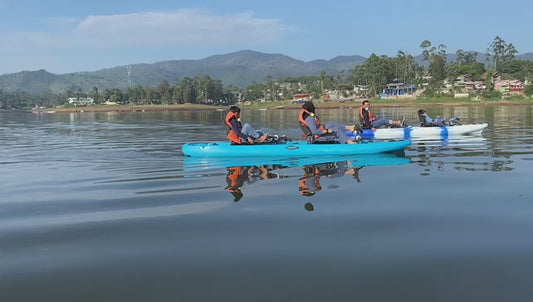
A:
<point x="269" y="106"/>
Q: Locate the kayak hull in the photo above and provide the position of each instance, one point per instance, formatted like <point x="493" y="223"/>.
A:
<point x="385" y="133"/>
<point x="289" y="149"/>
<point x="420" y="132"/>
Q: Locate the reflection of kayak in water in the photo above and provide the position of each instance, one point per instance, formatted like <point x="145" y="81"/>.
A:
<point x="421" y="132"/>
<point x="453" y="140"/>
<point x="381" y="159"/>
<point x="288" y="149"/>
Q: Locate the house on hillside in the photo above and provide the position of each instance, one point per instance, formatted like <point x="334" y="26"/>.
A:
<point x="465" y="84"/>
<point x="361" y="90"/>
<point x="300" y="98"/>
<point x="509" y="86"/>
<point x="339" y="94"/>
<point x="80" y="101"/>
<point x="398" y="90"/>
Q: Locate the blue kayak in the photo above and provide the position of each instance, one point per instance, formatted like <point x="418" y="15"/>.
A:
<point x="288" y="149"/>
<point x="378" y="159"/>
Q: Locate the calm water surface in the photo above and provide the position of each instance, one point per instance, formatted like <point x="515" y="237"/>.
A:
<point x="104" y="207"/>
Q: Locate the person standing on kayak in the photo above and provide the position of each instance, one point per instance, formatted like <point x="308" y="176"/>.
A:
<point x="239" y="133"/>
<point x="333" y="131"/>
<point x="370" y="121"/>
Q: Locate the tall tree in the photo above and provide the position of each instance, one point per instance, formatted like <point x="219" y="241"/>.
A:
<point x="501" y="52"/>
<point x="94" y="95"/>
<point x="510" y="52"/>
<point x="460" y="56"/>
<point x="405" y="67"/>
<point x="436" y="58"/>
<point x="497" y="49"/>
<point x="254" y="92"/>
<point x="135" y="94"/>
<point x="165" y="91"/>
<point x="202" y="84"/>
<point x="470" y="57"/>
<point x="375" y="72"/>
<point x="187" y="91"/>
<point x="271" y="89"/>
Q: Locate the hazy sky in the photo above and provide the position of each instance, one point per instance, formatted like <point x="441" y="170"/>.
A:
<point x="67" y="36"/>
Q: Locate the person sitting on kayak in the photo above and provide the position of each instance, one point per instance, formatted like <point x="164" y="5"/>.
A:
<point x="330" y="133"/>
<point x="426" y="121"/>
<point x="239" y="133"/>
<point x="370" y="121"/>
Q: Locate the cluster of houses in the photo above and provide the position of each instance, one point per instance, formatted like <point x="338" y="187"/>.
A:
<point x="82" y="102"/>
<point x="507" y="86"/>
<point x="465" y="85"/>
<point x="461" y="87"/>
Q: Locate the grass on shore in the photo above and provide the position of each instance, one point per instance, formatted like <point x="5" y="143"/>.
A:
<point x="287" y="104"/>
<point x="393" y="102"/>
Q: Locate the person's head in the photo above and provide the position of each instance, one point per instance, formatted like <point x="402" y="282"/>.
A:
<point x="235" y="109"/>
<point x="421" y="112"/>
<point x="366" y="103"/>
<point x="309" y="106"/>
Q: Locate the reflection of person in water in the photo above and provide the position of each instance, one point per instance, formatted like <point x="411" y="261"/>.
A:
<point x="309" y="184"/>
<point x="235" y="180"/>
<point x="237" y="176"/>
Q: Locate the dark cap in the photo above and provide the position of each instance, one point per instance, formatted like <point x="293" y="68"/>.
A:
<point x="309" y="106"/>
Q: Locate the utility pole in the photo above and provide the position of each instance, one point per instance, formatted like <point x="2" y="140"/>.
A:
<point x="128" y="68"/>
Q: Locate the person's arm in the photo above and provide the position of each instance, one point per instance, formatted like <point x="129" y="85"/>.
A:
<point x="311" y="123"/>
<point x="235" y="128"/>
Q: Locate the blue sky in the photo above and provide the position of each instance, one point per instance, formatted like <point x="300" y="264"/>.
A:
<point x="69" y="36"/>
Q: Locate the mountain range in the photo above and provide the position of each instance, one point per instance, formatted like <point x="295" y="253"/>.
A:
<point x="237" y="69"/>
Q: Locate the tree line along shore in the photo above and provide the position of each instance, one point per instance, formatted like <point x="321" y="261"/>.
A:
<point x="285" y="105"/>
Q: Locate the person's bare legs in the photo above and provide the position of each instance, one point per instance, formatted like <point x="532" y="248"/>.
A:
<point x="262" y="138"/>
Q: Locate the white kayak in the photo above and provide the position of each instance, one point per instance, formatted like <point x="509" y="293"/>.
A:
<point x="446" y="131"/>
<point x="421" y="132"/>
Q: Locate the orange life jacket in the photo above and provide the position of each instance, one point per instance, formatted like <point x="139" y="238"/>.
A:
<point x="317" y="120"/>
<point x="233" y="176"/>
<point x="371" y="116"/>
<point x="231" y="134"/>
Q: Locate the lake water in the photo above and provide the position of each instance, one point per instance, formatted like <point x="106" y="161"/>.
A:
<point x="104" y="207"/>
